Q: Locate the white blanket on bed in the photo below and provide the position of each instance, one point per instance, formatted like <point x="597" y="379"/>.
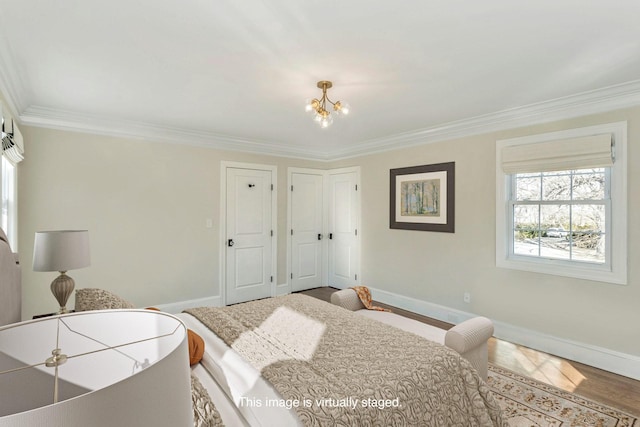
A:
<point x="230" y="379"/>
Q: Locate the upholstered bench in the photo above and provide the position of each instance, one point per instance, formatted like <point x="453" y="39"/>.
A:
<point x="468" y="338"/>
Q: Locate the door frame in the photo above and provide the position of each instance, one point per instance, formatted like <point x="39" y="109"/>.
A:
<point x="222" y="259"/>
<point x="287" y="286"/>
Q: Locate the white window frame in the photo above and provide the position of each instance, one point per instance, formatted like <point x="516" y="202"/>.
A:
<point x="614" y="270"/>
<point x="11" y="228"/>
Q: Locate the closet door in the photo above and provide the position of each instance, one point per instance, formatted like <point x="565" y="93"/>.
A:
<point x="344" y="241"/>
<point x="306" y="230"/>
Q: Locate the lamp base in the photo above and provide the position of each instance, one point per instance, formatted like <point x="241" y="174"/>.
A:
<point x="61" y="288"/>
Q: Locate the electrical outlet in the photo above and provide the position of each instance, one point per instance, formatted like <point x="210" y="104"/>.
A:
<point x="467" y="297"/>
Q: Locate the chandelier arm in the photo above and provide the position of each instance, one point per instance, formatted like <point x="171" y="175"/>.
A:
<point x="330" y="101"/>
<point x="323" y="100"/>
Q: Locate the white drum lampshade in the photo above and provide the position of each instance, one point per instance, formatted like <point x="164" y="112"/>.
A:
<point x="108" y="368"/>
<point x="61" y="251"/>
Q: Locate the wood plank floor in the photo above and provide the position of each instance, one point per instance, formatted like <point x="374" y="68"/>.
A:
<point x="602" y="386"/>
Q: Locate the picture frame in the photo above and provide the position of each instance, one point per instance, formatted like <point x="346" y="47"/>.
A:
<point x="423" y="198"/>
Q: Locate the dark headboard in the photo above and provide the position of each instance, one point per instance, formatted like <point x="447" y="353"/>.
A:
<point x="10" y="284"/>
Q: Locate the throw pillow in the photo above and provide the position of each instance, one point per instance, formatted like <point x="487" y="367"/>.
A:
<point x="99" y="299"/>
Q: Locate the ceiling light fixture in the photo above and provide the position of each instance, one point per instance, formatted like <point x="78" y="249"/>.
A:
<point x="318" y="107"/>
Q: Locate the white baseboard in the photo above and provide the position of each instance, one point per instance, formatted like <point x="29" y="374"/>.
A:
<point x="624" y="364"/>
<point x="283" y="289"/>
<point x="617" y="362"/>
<point x="178" y="307"/>
<point x="216" y="301"/>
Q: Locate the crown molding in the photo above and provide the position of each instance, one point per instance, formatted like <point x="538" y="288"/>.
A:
<point x="611" y="98"/>
<point x="17" y="98"/>
<point x="76" y="122"/>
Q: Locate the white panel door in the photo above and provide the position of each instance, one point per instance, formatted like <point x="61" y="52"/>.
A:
<point x="248" y="225"/>
<point x="344" y="247"/>
<point x="306" y="231"/>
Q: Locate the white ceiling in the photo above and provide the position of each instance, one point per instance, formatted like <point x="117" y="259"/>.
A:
<point x="235" y="74"/>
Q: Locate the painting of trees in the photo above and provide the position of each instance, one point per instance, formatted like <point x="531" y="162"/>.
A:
<point x="420" y="198"/>
<point x="423" y="198"/>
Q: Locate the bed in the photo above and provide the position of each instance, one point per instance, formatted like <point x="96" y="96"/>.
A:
<point x="10" y="289"/>
<point x="296" y="360"/>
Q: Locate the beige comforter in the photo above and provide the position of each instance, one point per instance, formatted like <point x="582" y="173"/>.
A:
<point x="334" y="367"/>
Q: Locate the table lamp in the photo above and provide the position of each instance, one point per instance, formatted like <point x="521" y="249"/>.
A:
<point x="124" y="368"/>
<point x="61" y="251"/>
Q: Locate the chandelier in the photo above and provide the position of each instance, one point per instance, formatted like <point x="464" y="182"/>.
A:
<point x="318" y="107"/>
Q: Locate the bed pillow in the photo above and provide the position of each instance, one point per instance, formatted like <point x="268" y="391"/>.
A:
<point x="99" y="299"/>
<point x="196" y="347"/>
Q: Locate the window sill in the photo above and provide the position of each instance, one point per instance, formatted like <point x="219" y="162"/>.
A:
<point x="586" y="271"/>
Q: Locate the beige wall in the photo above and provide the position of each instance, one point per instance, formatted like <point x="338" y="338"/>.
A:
<point x="146" y="205"/>
<point x="440" y="267"/>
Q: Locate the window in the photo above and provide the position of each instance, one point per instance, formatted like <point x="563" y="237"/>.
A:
<point x="8" y="216"/>
<point x="11" y="153"/>
<point x="560" y="215"/>
<point x="561" y="203"/>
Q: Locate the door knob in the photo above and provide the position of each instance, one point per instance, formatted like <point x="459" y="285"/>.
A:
<point x="230" y="242"/>
<point x="319" y="236"/>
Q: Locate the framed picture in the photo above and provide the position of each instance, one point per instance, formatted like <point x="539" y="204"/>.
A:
<point x="423" y="198"/>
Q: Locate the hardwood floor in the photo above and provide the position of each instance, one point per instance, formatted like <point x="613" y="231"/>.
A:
<point x="593" y="383"/>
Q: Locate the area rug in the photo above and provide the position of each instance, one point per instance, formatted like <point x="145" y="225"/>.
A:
<point x="530" y="403"/>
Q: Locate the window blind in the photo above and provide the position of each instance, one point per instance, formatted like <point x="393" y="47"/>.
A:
<point x="593" y="151"/>
<point x="12" y="142"/>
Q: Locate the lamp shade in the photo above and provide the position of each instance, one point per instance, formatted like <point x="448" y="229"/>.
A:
<point x="61" y="250"/>
<point x="116" y="368"/>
